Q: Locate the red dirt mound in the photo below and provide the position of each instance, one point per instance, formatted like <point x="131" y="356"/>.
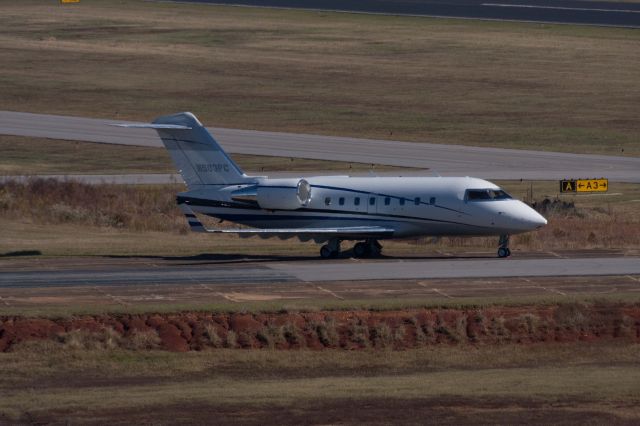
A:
<point x="332" y="329"/>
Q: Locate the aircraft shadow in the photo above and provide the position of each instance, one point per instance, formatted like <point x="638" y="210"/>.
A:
<point x="217" y="258"/>
<point x="232" y="258"/>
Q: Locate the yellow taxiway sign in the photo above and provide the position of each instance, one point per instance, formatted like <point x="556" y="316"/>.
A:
<point x="584" y="185"/>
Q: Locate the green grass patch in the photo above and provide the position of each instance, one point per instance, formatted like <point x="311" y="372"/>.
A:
<point x="379" y="304"/>
<point x="32" y="156"/>
<point x="86" y="384"/>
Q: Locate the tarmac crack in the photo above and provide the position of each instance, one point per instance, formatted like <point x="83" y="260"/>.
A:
<point x="556" y="255"/>
<point x="435" y="290"/>
<point x="549" y="289"/>
<point x="326" y="290"/>
<point x="217" y="293"/>
<point x="116" y="299"/>
<point x="227" y="297"/>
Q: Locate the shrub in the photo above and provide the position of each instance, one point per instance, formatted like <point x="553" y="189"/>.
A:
<point x="382" y="336"/>
<point x="498" y="329"/>
<point x="530" y="322"/>
<point x="399" y="334"/>
<point x="571" y="316"/>
<point x="211" y="333"/>
<point x="359" y="333"/>
<point x="327" y="333"/>
<point x="138" y="339"/>
<point x="292" y="334"/>
<point x="76" y="339"/>
<point x="245" y="340"/>
<point x="232" y="339"/>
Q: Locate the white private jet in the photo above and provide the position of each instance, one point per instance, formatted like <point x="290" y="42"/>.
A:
<point x="333" y="209"/>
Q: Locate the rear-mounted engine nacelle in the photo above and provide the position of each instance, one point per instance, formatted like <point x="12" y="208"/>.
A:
<point x="276" y="194"/>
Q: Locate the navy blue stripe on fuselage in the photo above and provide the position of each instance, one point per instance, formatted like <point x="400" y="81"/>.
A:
<point x="195" y="202"/>
<point x="206" y="202"/>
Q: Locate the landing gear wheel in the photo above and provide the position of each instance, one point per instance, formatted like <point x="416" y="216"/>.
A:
<point x="326" y="252"/>
<point x="331" y="249"/>
<point x="374" y="248"/>
<point x="375" y="251"/>
<point x="360" y="250"/>
<point x="503" y="252"/>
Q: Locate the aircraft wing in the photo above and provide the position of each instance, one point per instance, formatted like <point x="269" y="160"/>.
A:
<point x="356" y="232"/>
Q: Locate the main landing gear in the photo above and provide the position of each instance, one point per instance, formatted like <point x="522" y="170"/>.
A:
<point x="367" y="248"/>
<point x="331" y="249"/>
<point x="503" y="250"/>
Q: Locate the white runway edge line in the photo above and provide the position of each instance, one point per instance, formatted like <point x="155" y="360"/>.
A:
<point x="585" y="9"/>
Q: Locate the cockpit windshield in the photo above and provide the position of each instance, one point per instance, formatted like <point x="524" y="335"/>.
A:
<point x="487" y="195"/>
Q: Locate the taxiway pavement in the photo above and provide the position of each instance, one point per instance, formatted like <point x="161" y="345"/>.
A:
<point x="320" y="271"/>
<point x="620" y="14"/>
<point x="446" y="160"/>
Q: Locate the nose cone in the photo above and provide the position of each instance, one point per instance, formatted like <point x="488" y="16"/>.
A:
<point x="518" y="217"/>
<point x="534" y="219"/>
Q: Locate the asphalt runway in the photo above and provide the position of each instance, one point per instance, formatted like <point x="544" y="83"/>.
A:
<point x="316" y="271"/>
<point x="446" y="160"/>
<point x="602" y="13"/>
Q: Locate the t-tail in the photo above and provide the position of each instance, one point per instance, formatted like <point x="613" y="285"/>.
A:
<point x="195" y="153"/>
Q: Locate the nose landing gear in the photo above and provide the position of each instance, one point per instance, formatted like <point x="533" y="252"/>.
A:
<point x="503" y="250"/>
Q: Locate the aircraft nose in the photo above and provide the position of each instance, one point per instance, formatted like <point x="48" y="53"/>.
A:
<point x="535" y="219"/>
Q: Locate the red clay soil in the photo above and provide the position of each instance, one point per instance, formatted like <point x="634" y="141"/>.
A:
<point x="349" y="330"/>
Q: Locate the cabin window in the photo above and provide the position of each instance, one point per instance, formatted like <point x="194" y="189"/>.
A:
<point x="341" y="201"/>
<point x="372" y="201"/>
<point x="416" y="201"/>
<point x="432" y="200"/>
<point x="356" y="201"/>
<point x="387" y="201"/>
<point x="327" y="201"/>
<point x="402" y="201"/>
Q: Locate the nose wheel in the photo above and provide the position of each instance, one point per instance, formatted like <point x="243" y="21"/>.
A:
<point x="503" y="250"/>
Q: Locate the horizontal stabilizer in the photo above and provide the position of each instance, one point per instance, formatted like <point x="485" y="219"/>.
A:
<point x="153" y="126"/>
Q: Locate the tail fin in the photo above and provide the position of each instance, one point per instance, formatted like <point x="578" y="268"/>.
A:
<point x="195" y="153"/>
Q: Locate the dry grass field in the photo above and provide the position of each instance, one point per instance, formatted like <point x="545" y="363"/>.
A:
<point x="561" y="88"/>
<point x="69" y="218"/>
<point x="551" y="87"/>
<point x="561" y="384"/>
